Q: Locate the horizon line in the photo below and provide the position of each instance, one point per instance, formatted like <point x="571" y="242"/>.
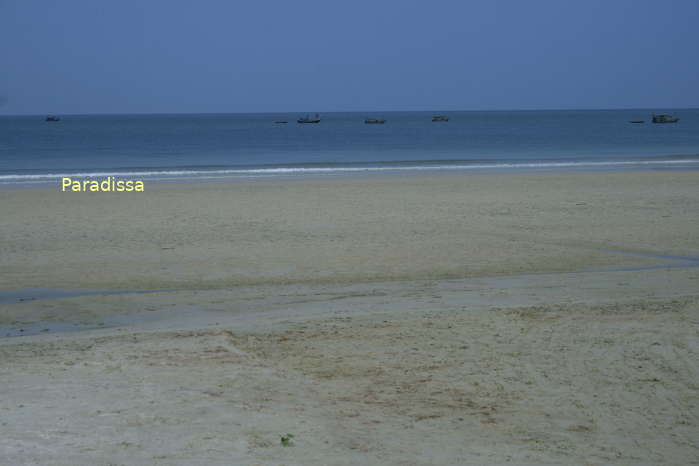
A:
<point x="348" y="111"/>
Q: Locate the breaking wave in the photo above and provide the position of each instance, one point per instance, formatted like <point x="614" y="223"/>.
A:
<point x="272" y="171"/>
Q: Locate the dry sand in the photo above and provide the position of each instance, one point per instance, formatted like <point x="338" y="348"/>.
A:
<point x="382" y="320"/>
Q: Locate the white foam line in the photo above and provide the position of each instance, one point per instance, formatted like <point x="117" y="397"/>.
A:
<point x="287" y="170"/>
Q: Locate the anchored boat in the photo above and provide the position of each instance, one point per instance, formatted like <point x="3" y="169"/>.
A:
<point x="664" y="118"/>
<point x="440" y="118"/>
<point x="375" y="121"/>
<point x="308" y="119"/>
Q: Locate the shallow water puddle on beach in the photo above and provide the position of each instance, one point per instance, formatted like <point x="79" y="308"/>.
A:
<point x="672" y="257"/>
<point x="32" y="294"/>
<point x="44" y="327"/>
<point x="501" y="282"/>
<point x="682" y="262"/>
<point x="35" y="328"/>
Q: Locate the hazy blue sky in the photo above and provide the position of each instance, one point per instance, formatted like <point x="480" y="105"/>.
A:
<point x="124" y="56"/>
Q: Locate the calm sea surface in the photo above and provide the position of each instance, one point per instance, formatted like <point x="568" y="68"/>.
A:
<point x="253" y="145"/>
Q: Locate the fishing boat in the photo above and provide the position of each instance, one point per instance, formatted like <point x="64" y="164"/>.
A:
<point x="637" y="121"/>
<point x="440" y="118"/>
<point x="375" y="121"/>
<point x="280" y="122"/>
<point x="52" y="118"/>
<point x="664" y="118"/>
<point x="308" y="119"/>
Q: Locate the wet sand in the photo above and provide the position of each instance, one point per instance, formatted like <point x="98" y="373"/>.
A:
<point x="385" y="320"/>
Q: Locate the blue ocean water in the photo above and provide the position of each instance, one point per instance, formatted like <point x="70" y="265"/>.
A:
<point x="182" y="145"/>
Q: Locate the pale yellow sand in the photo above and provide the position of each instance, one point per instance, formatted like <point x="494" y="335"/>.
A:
<point x="357" y="314"/>
<point x="341" y="230"/>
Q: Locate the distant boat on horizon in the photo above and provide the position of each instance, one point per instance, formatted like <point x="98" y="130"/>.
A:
<point x="664" y="118"/>
<point x="52" y="118"/>
<point x="637" y="121"/>
<point x="308" y="119"/>
<point x="375" y="121"/>
<point x="440" y="118"/>
<point x="280" y="122"/>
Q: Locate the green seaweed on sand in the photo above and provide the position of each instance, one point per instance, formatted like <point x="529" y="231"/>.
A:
<point x="286" y="440"/>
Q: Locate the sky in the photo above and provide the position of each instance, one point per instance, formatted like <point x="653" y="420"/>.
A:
<point x="215" y="56"/>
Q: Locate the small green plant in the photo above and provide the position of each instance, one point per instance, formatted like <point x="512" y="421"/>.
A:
<point x="286" y="440"/>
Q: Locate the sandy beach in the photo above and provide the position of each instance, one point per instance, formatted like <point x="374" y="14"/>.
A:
<point x="510" y="318"/>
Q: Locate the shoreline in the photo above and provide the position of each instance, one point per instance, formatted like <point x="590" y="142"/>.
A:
<point x="320" y="170"/>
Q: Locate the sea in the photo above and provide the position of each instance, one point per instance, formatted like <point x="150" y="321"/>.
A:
<point x="206" y="146"/>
